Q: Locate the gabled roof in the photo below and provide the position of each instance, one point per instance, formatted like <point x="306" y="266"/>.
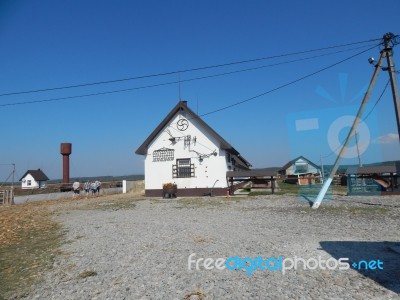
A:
<point x="296" y="159"/>
<point x="182" y="107"/>
<point x="38" y="175"/>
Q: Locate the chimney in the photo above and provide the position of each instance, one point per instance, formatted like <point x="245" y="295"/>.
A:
<point x="66" y="150"/>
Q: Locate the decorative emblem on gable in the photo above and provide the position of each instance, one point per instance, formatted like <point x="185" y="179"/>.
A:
<point x="182" y="124"/>
<point x="163" y="154"/>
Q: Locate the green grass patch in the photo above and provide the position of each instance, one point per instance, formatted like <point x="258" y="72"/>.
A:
<point x="294" y="189"/>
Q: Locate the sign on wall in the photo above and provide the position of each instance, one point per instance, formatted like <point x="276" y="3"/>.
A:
<point x="163" y="154"/>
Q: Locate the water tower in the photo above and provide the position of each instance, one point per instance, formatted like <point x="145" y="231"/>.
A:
<point x="66" y="150"/>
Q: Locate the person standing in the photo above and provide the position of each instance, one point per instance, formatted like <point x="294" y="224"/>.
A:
<point x="86" y="187"/>
<point x="98" y="185"/>
<point x="76" y="187"/>
<point x="93" y="188"/>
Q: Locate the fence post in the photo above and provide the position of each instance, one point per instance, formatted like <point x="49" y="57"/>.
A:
<point x="7" y="197"/>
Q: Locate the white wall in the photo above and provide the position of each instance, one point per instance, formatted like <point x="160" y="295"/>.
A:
<point x="34" y="184"/>
<point x="210" y="170"/>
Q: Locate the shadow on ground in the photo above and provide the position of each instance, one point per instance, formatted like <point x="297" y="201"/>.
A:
<point x="387" y="252"/>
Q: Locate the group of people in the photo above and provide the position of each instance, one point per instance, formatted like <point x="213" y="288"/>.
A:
<point x="92" y="188"/>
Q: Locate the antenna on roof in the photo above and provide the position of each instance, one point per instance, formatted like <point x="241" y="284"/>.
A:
<point x="179" y="86"/>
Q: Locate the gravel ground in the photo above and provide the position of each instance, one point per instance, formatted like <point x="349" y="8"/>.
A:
<point x="141" y="250"/>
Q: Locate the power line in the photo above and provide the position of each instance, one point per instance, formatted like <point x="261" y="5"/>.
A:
<point x="287" y="84"/>
<point x="183" y="71"/>
<point x="180" y="81"/>
<point x="377" y="101"/>
<point x="283" y="85"/>
<point x="366" y="117"/>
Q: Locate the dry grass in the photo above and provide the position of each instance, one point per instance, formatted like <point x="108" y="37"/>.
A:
<point x="87" y="273"/>
<point x="107" y="202"/>
<point x="16" y="219"/>
<point x="195" y="295"/>
<point x="30" y="239"/>
<point x="29" y="242"/>
<point x="200" y="240"/>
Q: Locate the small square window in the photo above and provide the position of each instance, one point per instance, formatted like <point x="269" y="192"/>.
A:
<point x="183" y="168"/>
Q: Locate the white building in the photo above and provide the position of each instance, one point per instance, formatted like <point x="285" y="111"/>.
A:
<point x="184" y="150"/>
<point x="34" y="179"/>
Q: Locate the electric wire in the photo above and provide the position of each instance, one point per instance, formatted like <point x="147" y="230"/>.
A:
<point x="183" y="70"/>
<point x="281" y="86"/>
<point x="377" y="101"/>
<point x="180" y="81"/>
<point x="4" y="181"/>
<point x="288" y="83"/>
<point x="183" y="136"/>
<point x="364" y="119"/>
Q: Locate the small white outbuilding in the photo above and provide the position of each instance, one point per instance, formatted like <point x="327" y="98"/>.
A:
<point x="34" y="179"/>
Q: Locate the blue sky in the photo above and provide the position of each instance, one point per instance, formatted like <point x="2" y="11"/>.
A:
<point x="46" y="44"/>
